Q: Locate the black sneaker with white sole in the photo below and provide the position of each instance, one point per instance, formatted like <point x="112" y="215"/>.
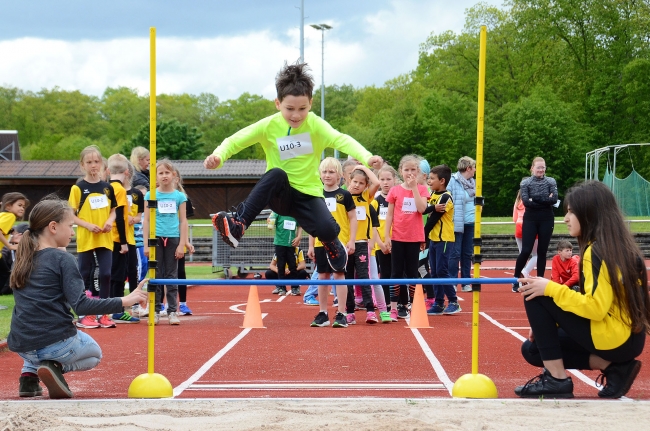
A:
<point x="618" y="377"/>
<point x="340" y="321"/>
<point x="547" y="386"/>
<point x="230" y="226"/>
<point x="337" y="255"/>
<point x="321" y="320"/>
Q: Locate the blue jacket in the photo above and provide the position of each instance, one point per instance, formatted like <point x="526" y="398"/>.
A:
<point x="461" y="200"/>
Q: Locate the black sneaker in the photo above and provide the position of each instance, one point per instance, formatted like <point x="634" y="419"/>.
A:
<point x="28" y="387"/>
<point x="340" y="321"/>
<point x="402" y="311"/>
<point x="515" y="287"/>
<point x="282" y="291"/>
<point x="618" y="378"/>
<point x="229" y="226"/>
<point x="336" y="254"/>
<point x="321" y="320"/>
<point x="51" y="374"/>
<point x="295" y="291"/>
<point x="546" y="386"/>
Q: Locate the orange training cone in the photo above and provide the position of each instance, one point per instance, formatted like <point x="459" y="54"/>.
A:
<point x="253" y="316"/>
<point x="419" y="317"/>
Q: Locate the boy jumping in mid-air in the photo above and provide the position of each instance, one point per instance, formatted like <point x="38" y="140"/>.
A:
<point x="293" y="140"/>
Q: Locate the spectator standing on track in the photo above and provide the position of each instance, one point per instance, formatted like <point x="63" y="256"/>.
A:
<point x="118" y="167"/>
<point x="362" y="185"/>
<point x="183" y="309"/>
<point x="293" y="141"/>
<point x="140" y="158"/>
<point x="171" y="234"/>
<point x="439" y="230"/>
<point x="94" y="203"/>
<point x="13" y="207"/>
<point x="46" y="284"/>
<point x="287" y="237"/>
<point x="539" y="196"/>
<point x="604" y="325"/>
<point x="518" y="217"/>
<point x="564" y="267"/>
<point x="404" y="230"/>
<point x="462" y="187"/>
<point x="341" y="206"/>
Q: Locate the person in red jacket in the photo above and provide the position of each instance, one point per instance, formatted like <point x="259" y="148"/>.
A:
<point x="565" y="266"/>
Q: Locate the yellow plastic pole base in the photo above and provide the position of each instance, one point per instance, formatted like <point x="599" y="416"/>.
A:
<point x="151" y="385"/>
<point x="474" y="386"/>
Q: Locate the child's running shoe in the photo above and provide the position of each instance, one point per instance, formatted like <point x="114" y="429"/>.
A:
<point x="352" y="320"/>
<point x="402" y="311"/>
<point x="229" y="226"/>
<point x="310" y="300"/>
<point x="340" y="321"/>
<point x="384" y="316"/>
<point x="143" y="312"/>
<point x="336" y="254"/>
<point x="51" y="374"/>
<point x="106" y="322"/>
<point x="371" y="318"/>
<point x="163" y="310"/>
<point x="321" y="320"/>
<point x="173" y="318"/>
<point x="428" y="303"/>
<point x="452" y="308"/>
<point x="393" y="315"/>
<point x="88" y="322"/>
<point x="156" y="318"/>
<point x="275" y="291"/>
<point x="295" y="291"/>
<point x="184" y="310"/>
<point x="124" y="317"/>
<point x="282" y="291"/>
<point x="436" y="310"/>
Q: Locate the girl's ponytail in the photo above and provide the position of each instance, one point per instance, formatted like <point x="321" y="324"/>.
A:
<point x="24" y="263"/>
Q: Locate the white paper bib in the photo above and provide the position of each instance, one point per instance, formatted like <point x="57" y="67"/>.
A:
<point x="331" y="204"/>
<point x="294" y="146"/>
<point x="290" y="225"/>
<point x="98" y="202"/>
<point x="383" y="212"/>
<point x="408" y="206"/>
<point x="361" y="213"/>
<point x="167" y="207"/>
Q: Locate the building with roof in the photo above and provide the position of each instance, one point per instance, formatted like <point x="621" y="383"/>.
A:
<point x="209" y="190"/>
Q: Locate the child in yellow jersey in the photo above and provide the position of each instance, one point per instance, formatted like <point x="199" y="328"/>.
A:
<point x="13" y="207"/>
<point x="94" y="204"/>
<point x="362" y="184"/>
<point x="123" y="236"/>
<point x="439" y="230"/>
<point x="604" y="325"/>
<point x="341" y="208"/>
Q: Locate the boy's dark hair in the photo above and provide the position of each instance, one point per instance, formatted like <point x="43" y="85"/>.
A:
<point x="443" y="172"/>
<point x="564" y="244"/>
<point x="294" y="80"/>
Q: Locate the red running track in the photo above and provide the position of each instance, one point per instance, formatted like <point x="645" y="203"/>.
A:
<point x="210" y="356"/>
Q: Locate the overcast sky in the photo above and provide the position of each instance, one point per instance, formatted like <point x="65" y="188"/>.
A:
<point x="215" y="46"/>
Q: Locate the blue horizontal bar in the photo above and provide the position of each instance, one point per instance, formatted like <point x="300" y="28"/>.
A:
<point x="263" y="282"/>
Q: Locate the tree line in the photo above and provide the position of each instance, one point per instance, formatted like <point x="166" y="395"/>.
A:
<point x="563" y="77"/>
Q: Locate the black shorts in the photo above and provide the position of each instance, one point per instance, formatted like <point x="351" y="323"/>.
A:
<point x="322" y="264"/>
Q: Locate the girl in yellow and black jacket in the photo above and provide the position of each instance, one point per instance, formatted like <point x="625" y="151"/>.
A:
<point x="604" y="325"/>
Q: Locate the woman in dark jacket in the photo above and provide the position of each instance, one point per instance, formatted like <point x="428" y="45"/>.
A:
<point x="140" y="160"/>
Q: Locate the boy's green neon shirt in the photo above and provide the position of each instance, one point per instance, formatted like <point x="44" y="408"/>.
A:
<point x="302" y="169"/>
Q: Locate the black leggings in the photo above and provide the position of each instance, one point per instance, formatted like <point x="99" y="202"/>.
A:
<point x="87" y="266"/>
<point x="538" y="225"/>
<point x="182" y="288"/>
<point x="274" y="190"/>
<point x="405" y="258"/>
<point x="572" y="341"/>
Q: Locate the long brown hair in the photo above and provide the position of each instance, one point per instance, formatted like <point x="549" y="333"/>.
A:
<point x="51" y="208"/>
<point x="602" y="227"/>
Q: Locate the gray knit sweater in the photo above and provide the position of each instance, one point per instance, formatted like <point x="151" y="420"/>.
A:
<point x="539" y="193"/>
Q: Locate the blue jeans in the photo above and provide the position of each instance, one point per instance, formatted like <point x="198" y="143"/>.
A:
<point x="462" y="252"/>
<point x="439" y="261"/>
<point x="312" y="290"/>
<point x="78" y="353"/>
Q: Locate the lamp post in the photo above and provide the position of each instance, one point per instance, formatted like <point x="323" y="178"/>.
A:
<point x="323" y="28"/>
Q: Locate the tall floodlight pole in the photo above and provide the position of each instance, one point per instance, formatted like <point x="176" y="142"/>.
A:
<point x="302" y="31"/>
<point x="323" y="28"/>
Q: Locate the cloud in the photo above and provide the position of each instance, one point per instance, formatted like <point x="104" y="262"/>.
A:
<point x="369" y="51"/>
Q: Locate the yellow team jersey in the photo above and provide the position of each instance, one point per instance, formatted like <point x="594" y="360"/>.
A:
<point x="93" y="203"/>
<point x="364" y="226"/>
<point x="443" y="230"/>
<point x="120" y="197"/>
<point x="136" y="206"/>
<point x="339" y="202"/>
<point x="7" y="221"/>
<point x="381" y="206"/>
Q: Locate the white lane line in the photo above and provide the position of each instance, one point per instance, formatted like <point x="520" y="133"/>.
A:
<point x="320" y="386"/>
<point x="435" y="363"/>
<point x="205" y="367"/>
<point x="521" y="338"/>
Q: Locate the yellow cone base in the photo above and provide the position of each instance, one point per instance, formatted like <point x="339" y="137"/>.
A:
<point x="151" y="385"/>
<point x="474" y="386"/>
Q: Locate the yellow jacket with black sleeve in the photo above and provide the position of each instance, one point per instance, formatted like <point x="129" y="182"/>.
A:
<point x="608" y="322"/>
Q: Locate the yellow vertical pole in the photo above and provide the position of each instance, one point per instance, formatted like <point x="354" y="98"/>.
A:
<point x="151" y="385"/>
<point x="477" y="385"/>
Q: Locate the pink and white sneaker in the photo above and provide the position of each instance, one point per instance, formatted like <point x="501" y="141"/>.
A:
<point x="371" y="318"/>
